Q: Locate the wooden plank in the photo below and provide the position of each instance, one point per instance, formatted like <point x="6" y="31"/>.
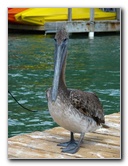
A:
<point x="84" y="26"/>
<point x="72" y="26"/>
<point x="104" y="143"/>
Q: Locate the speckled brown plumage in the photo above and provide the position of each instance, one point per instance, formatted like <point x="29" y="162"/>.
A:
<point x="88" y="104"/>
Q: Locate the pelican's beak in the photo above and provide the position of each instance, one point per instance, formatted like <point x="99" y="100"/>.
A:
<point x="60" y="54"/>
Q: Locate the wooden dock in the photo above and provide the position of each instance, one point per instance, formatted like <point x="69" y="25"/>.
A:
<point x="90" y="26"/>
<point x="104" y="143"/>
<point x="71" y="26"/>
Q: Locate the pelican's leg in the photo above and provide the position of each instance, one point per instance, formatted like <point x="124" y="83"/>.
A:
<point x="65" y="144"/>
<point x="74" y="147"/>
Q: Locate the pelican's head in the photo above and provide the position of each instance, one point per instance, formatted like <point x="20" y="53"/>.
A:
<point x="61" y="41"/>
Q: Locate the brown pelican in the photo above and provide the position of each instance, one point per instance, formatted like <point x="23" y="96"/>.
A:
<point x="74" y="110"/>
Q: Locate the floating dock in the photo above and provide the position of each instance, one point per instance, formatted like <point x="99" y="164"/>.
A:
<point x="104" y="143"/>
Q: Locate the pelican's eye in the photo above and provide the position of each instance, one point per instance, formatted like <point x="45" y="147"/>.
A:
<point x="65" y="39"/>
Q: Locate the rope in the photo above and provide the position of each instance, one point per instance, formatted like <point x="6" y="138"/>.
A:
<point x="19" y="103"/>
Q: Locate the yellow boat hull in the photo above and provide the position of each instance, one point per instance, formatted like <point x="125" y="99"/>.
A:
<point x="39" y="16"/>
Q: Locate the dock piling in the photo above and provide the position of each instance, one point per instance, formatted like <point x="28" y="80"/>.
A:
<point x="69" y="14"/>
<point x="91" y="32"/>
<point x="118" y="14"/>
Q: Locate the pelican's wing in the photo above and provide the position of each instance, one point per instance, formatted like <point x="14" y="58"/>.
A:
<point x="88" y="104"/>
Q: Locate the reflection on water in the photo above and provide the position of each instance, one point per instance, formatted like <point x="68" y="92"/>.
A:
<point x="92" y="65"/>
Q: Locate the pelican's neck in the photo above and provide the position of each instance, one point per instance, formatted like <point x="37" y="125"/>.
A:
<point x="62" y="83"/>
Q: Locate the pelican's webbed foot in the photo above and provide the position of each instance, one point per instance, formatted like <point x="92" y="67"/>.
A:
<point x="66" y="144"/>
<point x="72" y="146"/>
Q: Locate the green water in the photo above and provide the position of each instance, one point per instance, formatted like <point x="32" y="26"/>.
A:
<point x="92" y="65"/>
